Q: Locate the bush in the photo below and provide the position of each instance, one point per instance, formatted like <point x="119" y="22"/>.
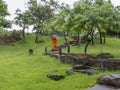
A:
<point x="3" y="32"/>
<point x="8" y="37"/>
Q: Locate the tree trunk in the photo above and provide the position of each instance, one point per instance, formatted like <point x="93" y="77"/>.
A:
<point x="119" y="36"/>
<point x="92" y="37"/>
<point x="88" y="33"/>
<point x="104" y="38"/>
<point x="86" y="46"/>
<point x="23" y="33"/>
<point x="100" y="37"/>
<point x="79" y="40"/>
<point x="36" y="38"/>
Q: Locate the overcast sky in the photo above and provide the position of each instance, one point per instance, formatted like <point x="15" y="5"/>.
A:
<point x="15" y="4"/>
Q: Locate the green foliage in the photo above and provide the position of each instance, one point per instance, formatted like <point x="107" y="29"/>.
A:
<point x="3" y="32"/>
<point x="60" y="20"/>
<point x="3" y="9"/>
<point x="98" y="15"/>
<point x="22" y="18"/>
<point x="6" y="23"/>
<point x="3" y="13"/>
<point x="41" y="11"/>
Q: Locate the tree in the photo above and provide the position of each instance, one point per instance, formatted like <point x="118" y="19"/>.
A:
<point x="104" y="19"/>
<point x="80" y="10"/>
<point x="3" y="13"/>
<point x="115" y="27"/>
<point x="23" y="20"/>
<point x="59" y="21"/>
<point x="41" y="11"/>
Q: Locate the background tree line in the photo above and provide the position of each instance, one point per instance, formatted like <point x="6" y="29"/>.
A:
<point x="84" y="18"/>
<point x="88" y="17"/>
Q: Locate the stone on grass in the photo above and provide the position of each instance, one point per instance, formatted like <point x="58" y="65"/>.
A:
<point x="104" y="55"/>
<point x="55" y="77"/>
<point x="86" y="71"/>
<point x="80" y="67"/>
<point x="69" y="72"/>
<point x="30" y="51"/>
<point x="112" y="79"/>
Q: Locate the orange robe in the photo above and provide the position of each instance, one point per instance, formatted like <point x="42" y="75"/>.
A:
<point x="54" y="42"/>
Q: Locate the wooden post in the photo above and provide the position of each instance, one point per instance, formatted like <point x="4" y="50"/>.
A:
<point x="68" y="49"/>
<point x="60" y="51"/>
<point x="45" y="50"/>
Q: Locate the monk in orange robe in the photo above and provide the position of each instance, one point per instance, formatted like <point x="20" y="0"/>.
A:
<point x="54" y="42"/>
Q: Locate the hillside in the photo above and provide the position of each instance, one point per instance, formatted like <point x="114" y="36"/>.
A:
<point x="20" y="71"/>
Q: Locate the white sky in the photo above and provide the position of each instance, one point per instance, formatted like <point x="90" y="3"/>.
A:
<point x="15" y="4"/>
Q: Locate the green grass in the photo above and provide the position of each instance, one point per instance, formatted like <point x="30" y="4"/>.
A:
<point x="112" y="46"/>
<point x="20" y="71"/>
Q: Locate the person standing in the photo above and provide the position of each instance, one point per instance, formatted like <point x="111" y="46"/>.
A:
<point x="54" y="42"/>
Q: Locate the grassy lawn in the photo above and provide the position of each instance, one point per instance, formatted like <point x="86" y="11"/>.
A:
<point x="20" y="71"/>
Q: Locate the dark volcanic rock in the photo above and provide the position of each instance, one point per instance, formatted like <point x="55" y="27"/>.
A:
<point x="104" y="55"/>
<point x="87" y="71"/>
<point x="55" y="77"/>
<point x="113" y="79"/>
<point x="76" y="67"/>
<point x="69" y="72"/>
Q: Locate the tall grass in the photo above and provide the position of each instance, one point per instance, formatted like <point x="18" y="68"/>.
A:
<point x="20" y="71"/>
